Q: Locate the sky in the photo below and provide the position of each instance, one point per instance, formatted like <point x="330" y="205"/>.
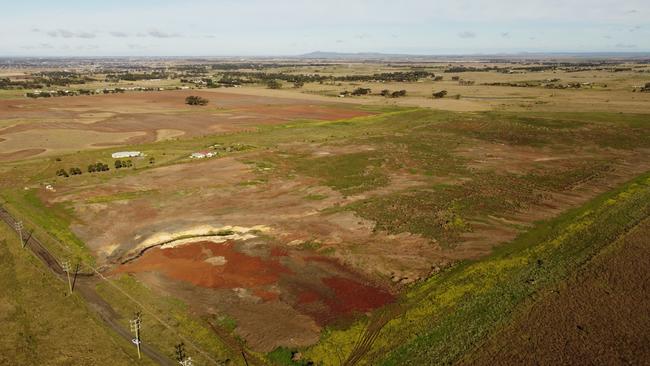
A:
<point x="292" y="27"/>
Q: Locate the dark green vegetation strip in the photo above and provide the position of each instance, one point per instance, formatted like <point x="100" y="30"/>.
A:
<point x="448" y="314"/>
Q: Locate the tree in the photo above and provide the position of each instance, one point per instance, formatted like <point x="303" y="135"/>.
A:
<point x="196" y="100"/>
<point x="397" y="94"/>
<point x="273" y="84"/>
<point x="440" y="94"/>
<point x="361" y="91"/>
<point x="298" y="84"/>
<point x="385" y="93"/>
<point x="118" y="164"/>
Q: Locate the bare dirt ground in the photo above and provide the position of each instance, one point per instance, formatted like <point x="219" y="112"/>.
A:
<point x="278" y="275"/>
<point x="61" y="125"/>
<point x="598" y="317"/>
<point x="617" y="96"/>
<point x="277" y="297"/>
<point x="309" y="267"/>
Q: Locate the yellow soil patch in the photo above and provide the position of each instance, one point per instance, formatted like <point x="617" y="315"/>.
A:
<point x="57" y="141"/>
<point x="166" y="134"/>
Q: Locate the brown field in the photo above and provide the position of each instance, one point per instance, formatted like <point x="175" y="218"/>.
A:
<point x="313" y="224"/>
<point x="598" y="317"/>
<point x="617" y="96"/>
<point x="279" y="255"/>
<point x="61" y="125"/>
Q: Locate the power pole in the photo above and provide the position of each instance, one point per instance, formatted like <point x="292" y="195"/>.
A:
<point x="181" y="356"/>
<point x="19" y="228"/>
<point x="67" y="268"/>
<point x="135" y="328"/>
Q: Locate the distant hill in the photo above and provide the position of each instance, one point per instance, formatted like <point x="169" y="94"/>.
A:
<point x="358" y="56"/>
<point x="353" y="56"/>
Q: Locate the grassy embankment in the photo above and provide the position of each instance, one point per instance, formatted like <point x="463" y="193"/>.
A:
<point x="41" y="325"/>
<point x="450" y="313"/>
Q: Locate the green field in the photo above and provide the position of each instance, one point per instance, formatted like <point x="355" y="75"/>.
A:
<point x="447" y="315"/>
<point x="437" y="320"/>
<point x="40" y="324"/>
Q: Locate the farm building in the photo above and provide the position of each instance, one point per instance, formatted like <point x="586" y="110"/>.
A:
<point x="203" y="154"/>
<point x="125" y="154"/>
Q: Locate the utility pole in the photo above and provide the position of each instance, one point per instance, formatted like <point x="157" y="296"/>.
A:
<point x="181" y="356"/>
<point x="67" y="268"/>
<point x="135" y="328"/>
<point x="19" y="228"/>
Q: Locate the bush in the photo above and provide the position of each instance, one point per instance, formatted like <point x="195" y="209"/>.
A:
<point x="98" y="167"/>
<point x="195" y="100"/>
<point x="361" y="91"/>
<point x="273" y="84"/>
<point x="440" y="94"/>
<point x="397" y="94"/>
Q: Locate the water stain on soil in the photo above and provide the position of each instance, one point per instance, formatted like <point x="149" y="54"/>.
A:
<point x="318" y="290"/>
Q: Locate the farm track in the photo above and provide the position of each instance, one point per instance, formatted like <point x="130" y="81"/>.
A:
<point x="367" y="339"/>
<point x="85" y="285"/>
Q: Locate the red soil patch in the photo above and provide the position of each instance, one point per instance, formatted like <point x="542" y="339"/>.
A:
<point x="279" y="252"/>
<point x="352" y="296"/>
<point x="319" y="287"/>
<point x="266" y="295"/>
<point x="188" y="263"/>
<point x="307" y="297"/>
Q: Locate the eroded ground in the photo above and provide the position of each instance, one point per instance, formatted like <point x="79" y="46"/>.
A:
<point x="62" y="125"/>
<point x="330" y="220"/>
<point x="599" y="316"/>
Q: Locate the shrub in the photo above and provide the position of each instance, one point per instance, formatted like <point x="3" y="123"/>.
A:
<point x="273" y="84"/>
<point x="195" y="100"/>
<point x="440" y="94"/>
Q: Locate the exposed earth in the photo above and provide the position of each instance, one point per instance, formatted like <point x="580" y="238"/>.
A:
<point x="88" y="122"/>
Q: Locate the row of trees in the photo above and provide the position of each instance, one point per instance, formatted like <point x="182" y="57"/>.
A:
<point x="396" y="94"/>
<point x="72" y="171"/>
<point x="98" y="167"/>
<point x="242" y="77"/>
<point x="129" y="76"/>
<point x="119" y="164"/>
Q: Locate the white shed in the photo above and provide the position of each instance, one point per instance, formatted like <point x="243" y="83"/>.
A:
<point x="125" y="154"/>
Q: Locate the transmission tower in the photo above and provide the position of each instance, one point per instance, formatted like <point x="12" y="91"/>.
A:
<point x="181" y="356"/>
<point x="19" y="228"/>
<point x="67" y="268"/>
<point x="135" y="328"/>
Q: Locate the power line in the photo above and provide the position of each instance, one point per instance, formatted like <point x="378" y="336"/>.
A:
<point x="67" y="268"/>
<point x="181" y="356"/>
<point x="136" y="323"/>
<point x="19" y="228"/>
<point x="102" y="277"/>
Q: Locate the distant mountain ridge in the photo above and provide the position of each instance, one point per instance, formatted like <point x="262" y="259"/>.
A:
<point x="355" y="55"/>
<point x="323" y="55"/>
